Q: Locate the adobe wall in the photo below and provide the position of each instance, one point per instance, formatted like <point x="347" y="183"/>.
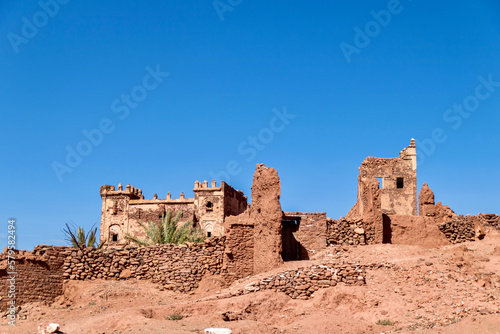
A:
<point x="176" y="267"/>
<point x="416" y="230"/>
<point x="239" y="251"/>
<point x="39" y="275"/>
<point x="266" y="215"/>
<point x="311" y="233"/>
<point x="397" y="198"/>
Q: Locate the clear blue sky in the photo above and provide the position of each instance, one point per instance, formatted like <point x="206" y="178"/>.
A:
<point x="357" y="81"/>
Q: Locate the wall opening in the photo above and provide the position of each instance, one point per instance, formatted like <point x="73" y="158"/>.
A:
<point x="209" y="206"/>
<point x="114" y="237"/>
<point x="386" y="229"/>
<point x="209" y="234"/>
<point x="380" y="182"/>
<point x="399" y="182"/>
<point x="290" y="245"/>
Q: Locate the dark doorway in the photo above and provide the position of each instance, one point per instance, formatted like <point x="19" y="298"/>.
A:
<point x="386" y="230"/>
<point x="290" y="245"/>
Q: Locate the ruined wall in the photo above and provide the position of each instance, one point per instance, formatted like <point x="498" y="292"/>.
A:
<point x="39" y="275"/>
<point x="235" y="202"/>
<point x="311" y="233"/>
<point x="365" y="214"/>
<point x="346" y="233"/>
<point x="239" y="251"/>
<point x="178" y="268"/>
<point x="439" y="212"/>
<point x="461" y="229"/>
<point x="266" y="215"/>
<point x="488" y="220"/>
<point x="398" y="193"/>
<point x="301" y="283"/>
<point x="416" y="230"/>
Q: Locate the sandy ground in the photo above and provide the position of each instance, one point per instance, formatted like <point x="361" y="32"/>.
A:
<point x="452" y="289"/>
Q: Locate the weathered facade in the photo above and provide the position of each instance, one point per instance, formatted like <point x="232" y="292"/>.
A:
<point x="122" y="209"/>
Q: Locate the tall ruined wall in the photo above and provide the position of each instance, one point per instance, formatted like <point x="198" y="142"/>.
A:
<point x="399" y="181"/>
<point x="266" y="215"/>
<point x="39" y="275"/>
<point x="178" y="268"/>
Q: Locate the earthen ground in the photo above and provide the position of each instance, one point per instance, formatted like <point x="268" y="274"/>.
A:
<point x="451" y="289"/>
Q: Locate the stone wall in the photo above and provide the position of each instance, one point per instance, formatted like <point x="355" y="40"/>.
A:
<point x="39" y="275"/>
<point x="178" y="268"/>
<point x="461" y="229"/>
<point x="301" y="283"/>
<point x="344" y="232"/>
<point x="238" y="255"/>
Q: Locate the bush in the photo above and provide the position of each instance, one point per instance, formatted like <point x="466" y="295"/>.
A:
<point x="385" y="322"/>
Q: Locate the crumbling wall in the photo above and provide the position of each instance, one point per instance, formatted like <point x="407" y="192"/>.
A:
<point x="266" y="215"/>
<point x="488" y="220"/>
<point x="366" y="214"/>
<point x="346" y="233"/>
<point x="312" y="232"/>
<point x="301" y="283"/>
<point x="38" y="275"/>
<point x="398" y="190"/>
<point x="416" y="230"/>
<point x="175" y="267"/>
<point x="239" y="251"/>
<point x="461" y="229"/>
<point x="439" y="212"/>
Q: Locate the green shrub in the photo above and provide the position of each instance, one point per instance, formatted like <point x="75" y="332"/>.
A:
<point x="167" y="232"/>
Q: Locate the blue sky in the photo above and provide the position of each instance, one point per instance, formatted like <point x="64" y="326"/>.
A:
<point x="170" y="92"/>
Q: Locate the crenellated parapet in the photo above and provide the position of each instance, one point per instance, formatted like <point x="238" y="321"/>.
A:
<point x="130" y="191"/>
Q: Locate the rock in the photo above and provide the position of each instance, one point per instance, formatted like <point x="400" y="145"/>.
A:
<point x="359" y="230"/>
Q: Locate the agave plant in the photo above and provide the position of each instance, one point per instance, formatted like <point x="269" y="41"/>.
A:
<point x="79" y="239"/>
<point x="168" y="232"/>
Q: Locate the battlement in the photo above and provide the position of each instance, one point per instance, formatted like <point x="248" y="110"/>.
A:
<point x="131" y="191"/>
<point x="198" y="186"/>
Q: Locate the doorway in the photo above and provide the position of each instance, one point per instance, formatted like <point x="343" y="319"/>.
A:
<point x="290" y="245"/>
<point x="386" y="229"/>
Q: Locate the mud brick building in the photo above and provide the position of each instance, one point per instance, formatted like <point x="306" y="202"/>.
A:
<point x="122" y="209"/>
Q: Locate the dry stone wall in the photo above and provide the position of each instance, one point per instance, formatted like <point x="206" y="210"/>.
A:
<point x="178" y="268"/>
<point x="461" y="229"/>
<point x="347" y="233"/>
<point x="301" y="283"/>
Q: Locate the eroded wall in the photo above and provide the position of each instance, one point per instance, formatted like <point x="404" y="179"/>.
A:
<point x="39" y="275"/>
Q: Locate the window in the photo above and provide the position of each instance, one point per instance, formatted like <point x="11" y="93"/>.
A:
<point x="209" y="206"/>
<point x="209" y="234"/>
<point x="115" y="237"/>
<point x="399" y="182"/>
